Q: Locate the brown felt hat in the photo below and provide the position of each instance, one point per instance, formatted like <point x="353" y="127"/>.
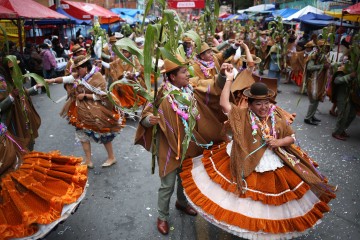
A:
<point x="309" y="44"/>
<point x="171" y="66"/>
<point x="77" y="48"/>
<point x="256" y="59"/>
<point x="204" y="47"/>
<point x="259" y="91"/>
<point x="81" y="60"/>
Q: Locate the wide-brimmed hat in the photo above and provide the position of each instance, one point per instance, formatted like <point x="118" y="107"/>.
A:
<point x="259" y="91"/>
<point x="118" y="35"/>
<point x="256" y="59"/>
<point x="322" y="42"/>
<point x="81" y="60"/>
<point x="48" y="42"/>
<point x="81" y="36"/>
<point x="77" y="48"/>
<point x="204" y="47"/>
<point x="264" y="32"/>
<point x="309" y="44"/>
<point x="171" y="66"/>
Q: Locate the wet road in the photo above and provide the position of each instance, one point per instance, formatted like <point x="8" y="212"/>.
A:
<point x="121" y="202"/>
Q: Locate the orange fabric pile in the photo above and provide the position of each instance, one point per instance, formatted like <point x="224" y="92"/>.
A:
<point x="37" y="191"/>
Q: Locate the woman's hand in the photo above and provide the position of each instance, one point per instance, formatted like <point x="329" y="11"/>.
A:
<point x="283" y="142"/>
<point x="229" y="74"/>
<point x="153" y="120"/>
<point x="81" y="96"/>
<point x="274" y="143"/>
<point x="224" y="67"/>
<point x="39" y="85"/>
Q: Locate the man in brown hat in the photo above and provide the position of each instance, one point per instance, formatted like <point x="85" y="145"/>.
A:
<point x="207" y="64"/>
<point x="316" y="73"/>
<point x="186" y="48"/>
<point x="170" y="132"/>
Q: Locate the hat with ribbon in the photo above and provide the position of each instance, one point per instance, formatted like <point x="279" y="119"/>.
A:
<point x="259" y="91"/>
<point x="81" y="60"/>
<point x="77" y="48"/>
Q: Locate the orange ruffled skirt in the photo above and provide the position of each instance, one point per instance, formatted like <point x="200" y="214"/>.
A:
<point x="127" y="97"/>
<point x="277" y="204"/>
<point x="43" y="191"/>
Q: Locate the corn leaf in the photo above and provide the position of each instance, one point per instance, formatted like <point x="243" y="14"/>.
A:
<point x="16" y="74"/>
<point x="169" y="19"/>
<point x="39" y="80"/>
<point x="166" y="54"/>
<point x="5" y="39"/>
<point x="121" y="56"/>
<point x="148" y="52"/>
<point x="146" y="12"/>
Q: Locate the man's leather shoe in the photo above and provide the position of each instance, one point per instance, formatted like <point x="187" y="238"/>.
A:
<point x="163" y="226"/>
<point x="339" y="137"/>
<point x="311" y="122"/>
<point x="188" y="209"/>
<point x="316" y="119"/>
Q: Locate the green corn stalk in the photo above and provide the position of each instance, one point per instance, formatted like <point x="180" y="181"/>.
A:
<point x="5" y="39"/>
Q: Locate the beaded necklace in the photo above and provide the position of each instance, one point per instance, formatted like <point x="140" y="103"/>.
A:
<point x="256" y="123"/>
<point x="180" y="109"/>
<point x="205" y="66"/>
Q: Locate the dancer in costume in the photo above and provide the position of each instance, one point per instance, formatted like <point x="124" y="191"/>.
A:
<point x="16" y="108"/>
<point x="119" y="69"/>
<point x="90" y="111"/>
<point x="260" y="185"/>
<point x="316" y="77"/>
<point x="38" y="190"/>
<point x="172" y="121"/>
<point x="298" y="63"/>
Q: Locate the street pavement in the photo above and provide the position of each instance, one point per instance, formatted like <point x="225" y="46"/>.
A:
<point x="121" y="201"/>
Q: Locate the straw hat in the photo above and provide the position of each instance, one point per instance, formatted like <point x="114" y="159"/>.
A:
<point x="77" y="48"/>
<point x="256" y="59"/>
<point x="204" y="47"/>
<point x="309" y="44"/>
<point x="264" y="33"/>
<point x="81" y="36"/>
<point x="171" y="66"/>
<point x="259" y="91"/>
<point x="81" y="60"/>
<point x="322" y="43"/>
